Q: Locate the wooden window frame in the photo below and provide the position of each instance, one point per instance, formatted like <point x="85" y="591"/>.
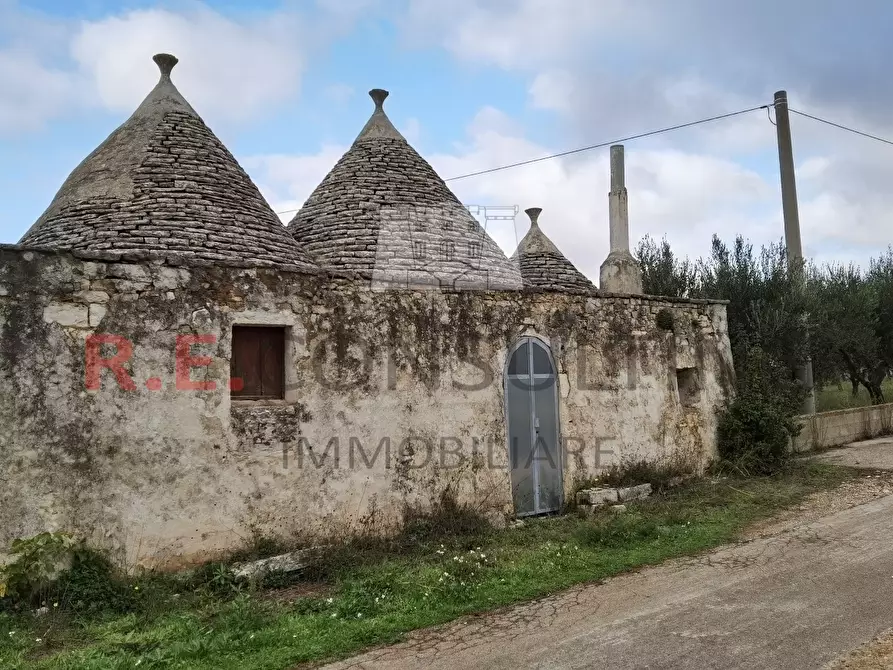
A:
<point x="258" y="359"/>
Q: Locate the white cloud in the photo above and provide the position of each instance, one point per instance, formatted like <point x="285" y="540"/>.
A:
<point x="233" y="68"/>
<point x="33" y="86"/>
<point x="553" y="90"/>
<point x="287" y="181"/>
<point x="412" y="130"/>
<point x="610" y="69"/>
<point x="524" y="33"/>
<point x="686" y="196"/>
<point x="36" y="92"/>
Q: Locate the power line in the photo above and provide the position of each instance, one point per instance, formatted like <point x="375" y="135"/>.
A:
<point x="841" y="126"/>
<point x="651" y="133"/>
<point x="601" y="145"/>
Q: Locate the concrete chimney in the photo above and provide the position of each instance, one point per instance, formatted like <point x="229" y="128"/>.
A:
<point x="620" y="273"/>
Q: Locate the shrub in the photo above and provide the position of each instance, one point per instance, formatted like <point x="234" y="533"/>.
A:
<point x="216" y="579"/>
<point x="93" y="585"/>
<point x="59" y="569"/>
<point x="755" y="430"/>
<point x="36" y="563"/>
<point x="446" y="518"/>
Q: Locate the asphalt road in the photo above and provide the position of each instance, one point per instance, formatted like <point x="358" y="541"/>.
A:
<point x="795" y="600"/>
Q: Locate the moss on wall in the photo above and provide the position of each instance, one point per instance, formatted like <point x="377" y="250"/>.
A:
<point x="193" y="471"/>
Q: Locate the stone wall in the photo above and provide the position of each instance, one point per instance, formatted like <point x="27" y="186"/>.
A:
<point x="834" y="429"/>
<point x="392" y="398"/>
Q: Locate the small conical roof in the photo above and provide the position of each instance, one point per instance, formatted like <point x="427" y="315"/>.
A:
<point x="382" y="213"/>
<point x="543" y="266"/>
<point x="164" y="184"/>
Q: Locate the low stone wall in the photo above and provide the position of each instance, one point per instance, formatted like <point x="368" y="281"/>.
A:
<point x="833" y="429"/>
<point x="391" y="399"/>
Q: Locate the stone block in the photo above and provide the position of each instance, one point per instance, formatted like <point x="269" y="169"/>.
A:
<point x="601" y="496"/>
<point x="132" y="272"/>
<point x="128" y="286"/>
<point x="634" y="492"/>
<point x="171" y="278"/>
<point x="93" y="296"/>
<point x="96" y="313"/>
<point x="92" y="270"/>
<point x="284" y="563"/>
<point x="66" y="314"/>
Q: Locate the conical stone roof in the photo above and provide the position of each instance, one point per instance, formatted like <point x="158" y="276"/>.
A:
<point x="383" y="214"/>
<point x="543" y="266"/>
<point x="163" y="184"/>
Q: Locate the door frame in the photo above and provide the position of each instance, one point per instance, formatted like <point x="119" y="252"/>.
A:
<point x="534" y="340"/>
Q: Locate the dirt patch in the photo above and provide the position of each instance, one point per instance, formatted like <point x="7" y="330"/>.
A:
<point x="293" y="593"/>
<point x="874" y="655"/>
<point x="858" y="491"/>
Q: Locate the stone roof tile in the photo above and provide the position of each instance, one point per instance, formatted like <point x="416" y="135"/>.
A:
<point x="162" y="182"/>
<point x="543" y="266"/>
<point x="383" y="213"/>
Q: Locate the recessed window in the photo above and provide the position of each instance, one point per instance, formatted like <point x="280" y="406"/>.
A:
<point x="689" y="385"/>
<point x="257" y="367"/>
<point x="448" y="250"/>
<point x="418" y="250"/>
<point x="474" y="249"/>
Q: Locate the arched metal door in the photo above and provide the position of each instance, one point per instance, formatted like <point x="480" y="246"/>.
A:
<point x="531" y="396"/>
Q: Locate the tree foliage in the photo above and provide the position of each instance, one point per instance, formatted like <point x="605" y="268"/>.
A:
<point x="754" y="431"/>
<point x="843" y="315"/>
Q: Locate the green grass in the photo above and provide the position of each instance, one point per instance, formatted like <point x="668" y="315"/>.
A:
<point x="379" y="593"/>
<point x="833" y="397"/>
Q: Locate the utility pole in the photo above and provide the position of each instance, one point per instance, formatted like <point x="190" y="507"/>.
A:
<point x="792" y="231"/>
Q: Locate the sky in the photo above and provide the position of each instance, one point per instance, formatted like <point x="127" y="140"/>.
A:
<point x="477" y="84"/>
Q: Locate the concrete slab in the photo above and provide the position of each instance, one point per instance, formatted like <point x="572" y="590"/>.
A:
<point x="874" y="454"/>
<point x="791" y="601"/>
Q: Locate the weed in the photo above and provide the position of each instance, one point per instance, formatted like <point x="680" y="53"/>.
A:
<point x="617" y="531"/>
<point x="216" y="579"/>
<point x="37" y="562"/>
<point x="447" y="518"/>
<point x="755" y="430"/>
<point x="659" y="474"/>
<point x="382" y="589"/>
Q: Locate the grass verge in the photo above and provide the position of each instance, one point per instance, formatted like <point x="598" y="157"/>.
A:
<point x="834" y="397"/>
<point x="377" y="593"/>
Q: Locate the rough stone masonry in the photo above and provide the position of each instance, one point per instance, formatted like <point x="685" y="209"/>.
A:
<point x="120" y="312"/>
